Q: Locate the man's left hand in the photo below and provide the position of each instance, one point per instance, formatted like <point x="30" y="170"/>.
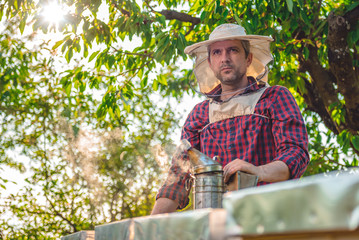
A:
<point x="240" y="165"/>
<point x="272" y="172"/>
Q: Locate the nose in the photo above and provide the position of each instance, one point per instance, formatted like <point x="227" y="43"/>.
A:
<point x="225" y="57"/>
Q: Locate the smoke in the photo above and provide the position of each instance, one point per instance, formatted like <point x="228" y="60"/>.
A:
<point x="82" y="152"/>
<point x="180" y="165"/>
<point x="161" y="157"/>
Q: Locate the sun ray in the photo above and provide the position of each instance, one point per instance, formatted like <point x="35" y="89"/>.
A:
<point x="53" y="13"/>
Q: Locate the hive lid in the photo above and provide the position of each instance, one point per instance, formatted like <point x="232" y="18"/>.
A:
<point x="316" y="203"/>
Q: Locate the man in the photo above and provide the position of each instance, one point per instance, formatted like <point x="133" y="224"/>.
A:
<point x="250" y="125"/>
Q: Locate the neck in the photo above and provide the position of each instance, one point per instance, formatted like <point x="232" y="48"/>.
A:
<point x="229" y="91"/>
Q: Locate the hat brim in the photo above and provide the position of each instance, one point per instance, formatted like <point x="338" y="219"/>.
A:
<point x="199" y="46"/>
<point x="259" y="47"/>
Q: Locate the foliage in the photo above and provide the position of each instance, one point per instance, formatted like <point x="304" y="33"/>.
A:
<point x="130" y="49"/>
<point x="79" y="172"/>
<point x="306" y="48"/>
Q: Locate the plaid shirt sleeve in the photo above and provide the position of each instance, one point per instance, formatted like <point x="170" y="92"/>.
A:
<point x="289" y="133"/>
<point x="175" y="185"/>
<point x="178" y="183"/>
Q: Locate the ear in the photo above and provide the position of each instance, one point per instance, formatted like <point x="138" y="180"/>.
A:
<point x="249" y="59"/>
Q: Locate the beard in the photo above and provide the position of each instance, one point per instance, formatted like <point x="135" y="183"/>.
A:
<point x="232" y="78"/>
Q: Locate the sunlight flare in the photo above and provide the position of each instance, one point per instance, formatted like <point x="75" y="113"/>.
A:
<point x="53" y="13"/>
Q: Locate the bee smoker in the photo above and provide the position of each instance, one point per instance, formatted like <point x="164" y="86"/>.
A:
<point x="208" y="179"/>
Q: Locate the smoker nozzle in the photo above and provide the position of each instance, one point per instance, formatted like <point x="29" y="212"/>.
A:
<point x="196" y="157"/>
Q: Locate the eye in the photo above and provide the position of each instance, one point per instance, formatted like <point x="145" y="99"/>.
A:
<point x="234" y="50"/>
<point x="216" y="52"/>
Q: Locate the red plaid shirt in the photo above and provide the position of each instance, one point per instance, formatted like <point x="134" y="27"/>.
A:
<point x="276" y="131"/>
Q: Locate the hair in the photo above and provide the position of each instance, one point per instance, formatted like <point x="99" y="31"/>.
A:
<point x="245" y="44"/>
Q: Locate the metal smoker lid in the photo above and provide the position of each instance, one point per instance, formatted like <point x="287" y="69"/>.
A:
<point x="208" y="168"/>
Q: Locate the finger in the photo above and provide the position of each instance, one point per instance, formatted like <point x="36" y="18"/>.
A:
<point x="230" y="164"/>
<point x="230" y="169"/>
<point x="225" y="174"/>
<point x="228" y="173"/>
<point x="225" y="168"/>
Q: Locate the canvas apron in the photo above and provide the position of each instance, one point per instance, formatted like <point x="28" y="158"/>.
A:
<point x="237" y="106"/>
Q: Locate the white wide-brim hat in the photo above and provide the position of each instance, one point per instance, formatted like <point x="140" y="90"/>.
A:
<point x="259" y="47"/>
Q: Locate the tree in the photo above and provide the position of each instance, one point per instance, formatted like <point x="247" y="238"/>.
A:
<point x="75" y="188"/>
<point x="80" y="172"/>
<point x="315" y="49"/>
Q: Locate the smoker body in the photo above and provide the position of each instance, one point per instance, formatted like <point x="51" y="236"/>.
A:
<point x="208" y="186"/>
<point x="208" y="183"/>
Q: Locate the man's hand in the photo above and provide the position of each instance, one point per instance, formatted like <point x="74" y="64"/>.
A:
<point x="272" y="172"/>
<point x="240" y="165"/>
<point x="164" y="205"/>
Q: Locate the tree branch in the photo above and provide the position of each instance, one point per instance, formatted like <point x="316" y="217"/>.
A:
<point x="57" y="213"/>
<point x="183" y="17"/>
<point x="320" y="92"/>
<point x="316" y="104"/>
<point x="341" y="64"/>
<point x="123" y="11"/>
<point x="145" y="54"/>
<point x="13" y="111"/>
<point x="352" y="16"/>
<point x="354" y="149"/>
<point x="317" y="11"/>
<point x="189" y="30"/>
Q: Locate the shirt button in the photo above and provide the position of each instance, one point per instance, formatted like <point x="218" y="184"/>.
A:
<point x="229" y="147"/>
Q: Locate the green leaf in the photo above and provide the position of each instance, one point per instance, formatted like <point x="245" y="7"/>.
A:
<point x="118" y="112"/>
<point x="155" y="85"/>
<point x="288" y="49"/>
<point x="306" y="53"/>
<point x="238" y="20"/>
<point x="203" y="16"/>
<point x="69" y="54"/>
<point x="301" y="85"/>
<point x="300" y="2"/>
<point x="93" y="55"/>
<point x="354" y="36"/>
<point x="352" y="6"/>
<point x="162" y="80"/>
<point x="303" y="15"/>
<point x="320" y="28"/>
<point x="57" y="44"/>
<point x="23" y="23"/>
<point x="68" y="89"/>
<point x="82" y="87"/>
<point x="101" y="111"/>
<point x="144" y="81"/>
<point x="355" y="141"/>
<point x="290" y="5"/>
<point x="355" y="162"/>
<point x="162" y="20"/>
<point x="111" y="61"/>
<point x="160" y="35"/>
<point x="1" y="11"/>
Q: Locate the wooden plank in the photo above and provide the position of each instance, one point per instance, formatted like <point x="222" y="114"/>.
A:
<point x="338" y="235"/>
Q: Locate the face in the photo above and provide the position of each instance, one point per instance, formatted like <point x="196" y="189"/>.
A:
<point x="228" y="62"/>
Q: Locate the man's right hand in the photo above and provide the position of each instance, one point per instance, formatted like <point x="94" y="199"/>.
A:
<point x="164" y="205"/>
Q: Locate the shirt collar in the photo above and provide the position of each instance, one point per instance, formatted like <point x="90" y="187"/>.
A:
<point x="252" y="87"/>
